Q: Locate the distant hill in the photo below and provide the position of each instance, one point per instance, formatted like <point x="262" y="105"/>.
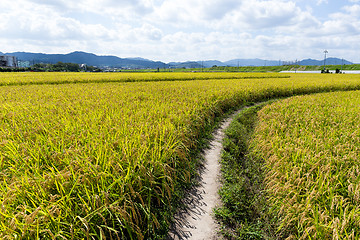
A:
<point x="261" y="62"/>
<point x="139" y="58"/>
<point x="188" y="64"/>
<point x="133" y="63"/>
<point x="252" y="62"/>
<point x="211" y="63"/>
<point x="89" y="59"/>
<point x="329" y="61"/>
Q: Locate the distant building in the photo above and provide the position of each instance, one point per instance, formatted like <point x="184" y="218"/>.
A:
<point x="8" y="61"/>
<point x="23" y="64"/>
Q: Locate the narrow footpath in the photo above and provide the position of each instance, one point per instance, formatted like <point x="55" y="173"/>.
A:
<point x="196" y="222"/>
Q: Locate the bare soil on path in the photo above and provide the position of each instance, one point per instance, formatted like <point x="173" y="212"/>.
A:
<point x="195" y="221"/>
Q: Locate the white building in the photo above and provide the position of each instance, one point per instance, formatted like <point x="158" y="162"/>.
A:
<point x="8" y="61"/>
<point x="23" y="64"/>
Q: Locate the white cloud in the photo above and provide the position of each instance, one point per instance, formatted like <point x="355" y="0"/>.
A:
<point x="174" y="30"/>
<point x="231" y="15"/>
<point x="38" y="26"/>
<point x="267" y="14"/>
<point x="319" y="2"/>
<point x="353" y="10"/>
<point x="147" y="32"/>
<point x="344" y="24"/>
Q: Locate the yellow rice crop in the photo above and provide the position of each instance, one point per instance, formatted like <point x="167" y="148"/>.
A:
<point x="91" y="160"/>
<point x="25" y="78"/>
<point x="311" y="147"/>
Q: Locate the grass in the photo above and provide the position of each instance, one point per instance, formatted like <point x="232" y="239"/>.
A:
<point x="244" y="213"/>
<point x="107" y="158"/>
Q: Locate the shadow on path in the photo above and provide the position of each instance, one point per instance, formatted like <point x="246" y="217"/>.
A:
<point x="194" y="220"/>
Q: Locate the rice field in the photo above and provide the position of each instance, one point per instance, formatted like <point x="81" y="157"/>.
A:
<point x="311" y="146"/>
<point x="95" y="156"/>
<point x="26" y="78"/>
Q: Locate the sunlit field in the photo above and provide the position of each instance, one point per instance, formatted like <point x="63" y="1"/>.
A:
<point x="311" y="145"/>
<point x="25" y="78"/>
<point x="91" y="156"/>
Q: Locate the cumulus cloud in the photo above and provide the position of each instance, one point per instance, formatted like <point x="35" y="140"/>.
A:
<point x="319" y="2"/>
<point x="345" y="23"/>
<point x="268" y="14"/>
<point x="39" y="26"/>
<point x="353" y="11"/>
<point x="178" y="30"/>
<point x="232" y="15"/>
<point x="147" y="32"/>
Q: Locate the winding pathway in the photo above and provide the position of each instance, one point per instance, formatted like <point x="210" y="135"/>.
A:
<point x="195" y="221"/>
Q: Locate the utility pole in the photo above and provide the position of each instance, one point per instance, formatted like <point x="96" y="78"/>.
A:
<point x="325" y="52"/>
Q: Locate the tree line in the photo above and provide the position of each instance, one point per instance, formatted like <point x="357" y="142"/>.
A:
<point x="57" y="67"/>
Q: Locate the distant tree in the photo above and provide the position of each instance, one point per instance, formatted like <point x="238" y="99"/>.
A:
<point x="60" y="67"/>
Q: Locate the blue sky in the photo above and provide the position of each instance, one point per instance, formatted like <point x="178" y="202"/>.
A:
<point x="181" y="30"/>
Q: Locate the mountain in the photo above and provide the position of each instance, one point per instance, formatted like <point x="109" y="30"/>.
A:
<point x="252" y="62"/>
<point x="139" y="58"/>
<point x="89" y="59"/>
<point x="211" y="63"/>
<point x="188" y="64"/>
<point x="262" y="62"/>
<point x="133" y="63"/>
<point x="329" y="61"/>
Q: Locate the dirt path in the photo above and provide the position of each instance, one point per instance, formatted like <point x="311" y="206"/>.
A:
<point x="195" y="222"/>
